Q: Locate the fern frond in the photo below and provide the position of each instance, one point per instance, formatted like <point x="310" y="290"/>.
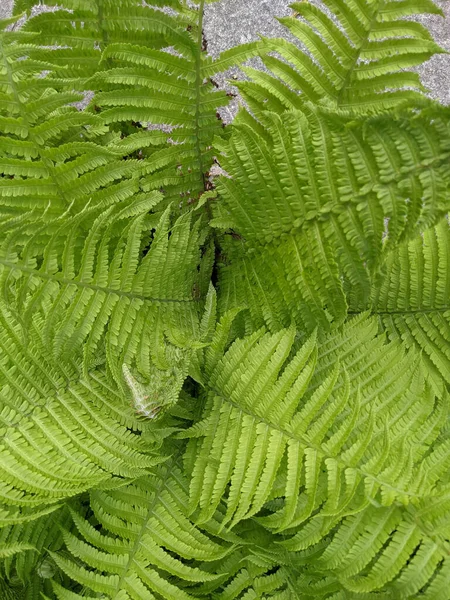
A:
<point x="8" y="592"/>
<point x="381" y="552"/>
<point x="287" y="451"/>
<point x="256" y="569"/>
<point x="333" y="446"/>
<point x="152" y="73"/>
<point x="61" y="433"/>
<point x="326" y="425"/>
<point x="131" y="277"/>
<point x="309" y="195"/>
<point x="147" y="547"/>
<point x="411" y="298"/>
<point x="49" y="163"/>
<point x="351" y="55"/>
<point x="27" y="545"/>
<point x="93" y="24"/>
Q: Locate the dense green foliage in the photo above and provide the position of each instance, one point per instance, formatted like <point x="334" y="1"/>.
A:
<point x="224" y="351"/>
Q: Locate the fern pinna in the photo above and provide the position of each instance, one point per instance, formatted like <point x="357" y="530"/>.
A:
<point x="229" y="387"/>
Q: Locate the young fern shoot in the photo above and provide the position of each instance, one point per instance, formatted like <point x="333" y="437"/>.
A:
<point x="141" y="400"/>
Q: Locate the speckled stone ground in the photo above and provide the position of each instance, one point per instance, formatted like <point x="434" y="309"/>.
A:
<point x="233" y="22"/>
<point x="5" y="8"/>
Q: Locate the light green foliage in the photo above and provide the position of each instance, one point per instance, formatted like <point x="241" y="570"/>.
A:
<point x="353" y="55"/>
<point x="411" y="297"/>
<point x="49" y="160"/>
<point x="152" y="78"/>
<point x="235" y="385"/>
<point x="62" y="434"/>
<point x="315" y="426"/>
<point x="148" y="525"/>
<point x="310" y="194"/>
<point x="102" y="284"/>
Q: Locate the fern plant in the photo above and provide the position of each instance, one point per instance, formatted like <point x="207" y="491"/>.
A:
<point x="228" y="382"/>
<point x="153" y="79"/>
<point x="353" y="56"/>
<point x="327" y="197"/>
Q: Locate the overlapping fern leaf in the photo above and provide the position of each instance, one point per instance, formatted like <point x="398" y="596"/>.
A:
<point x="268" y="417"/>
<point x="113" y="284"/>
<point x="411" y="297"/>
<point x="22" y="545"/>
<point x="62" y="433"/>
<point x="351" y="55"/>
<point x="76" y="32"/>
<point x="152" y="76"/>
<point x="309" y="195"/>
<point x="296" y="448"/>
<point x="140" y="543"/>
<point x="24" y="549"/>
<point x="50" y="162"/>
<point x="326" y="442"/>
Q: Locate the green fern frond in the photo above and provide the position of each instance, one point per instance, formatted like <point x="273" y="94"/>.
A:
<point x="381" y="552"/>
<point x="27" y="545"/>
<point x="147" y="547"/>
<point x="318" y="427"/>
<point x="61" y="433"/>
<point x="334" y="445"/>
<point x="256" y="569"/>
<point x="411" y="298"/>
<point x="123" y="273"/>
<point x="309" y="195"/>
<point x="296" y="448"/>
<point x="93" y="24"/>
<point x="9" y="592"/>
<point x="49" y="163"/>
<point x="350" y="55"/>
<point x="152" y="78"/>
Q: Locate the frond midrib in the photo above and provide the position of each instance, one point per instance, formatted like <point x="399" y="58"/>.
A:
<point x="198" y="84"/>
<point x="348" y="77"/>
<point x="90" y="286"/>
<point x="169" y="474"/>
<point x="307" y="443"/>
<point x="104" y="32"/>
<point x="418" y="311"/>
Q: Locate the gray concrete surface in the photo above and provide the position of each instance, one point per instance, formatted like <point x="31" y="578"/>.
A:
<point x="233" y="22"/>
<point x="5" y="8"/>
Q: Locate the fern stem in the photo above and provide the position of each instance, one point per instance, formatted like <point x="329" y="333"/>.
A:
<point x="418" y="311"/>
<point x="358" y="52"/>
<point x="91" y="286"/>
<point x="105" y="38"/>
<point x="198" y="84"/>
